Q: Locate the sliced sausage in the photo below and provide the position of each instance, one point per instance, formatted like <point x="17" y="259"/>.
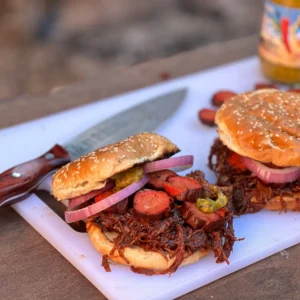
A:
<point x="152" y="205"/>
<point x="191" y="216"/>
<point x="222" y="96"/>
<point x="183" y="188"/>
<point x="158" y="178"/>
<point x="193" y="194"/>
<point x="207" y="221"/>
<point x="207" y="116"/>
<point x="119" y="208"/>
<point x="195" y="217"/>
<point x="104" y="195"/>
<point x="211" y="226"/>
<point x="262" y="85"/>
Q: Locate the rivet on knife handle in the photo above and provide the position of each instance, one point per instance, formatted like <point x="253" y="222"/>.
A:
<point x="18" y="181"/>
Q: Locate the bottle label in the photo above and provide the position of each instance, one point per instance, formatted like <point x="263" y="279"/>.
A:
<point x="280" y="35"/>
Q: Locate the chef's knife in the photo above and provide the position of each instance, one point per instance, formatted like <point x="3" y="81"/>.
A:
<point x="17" y="182"/>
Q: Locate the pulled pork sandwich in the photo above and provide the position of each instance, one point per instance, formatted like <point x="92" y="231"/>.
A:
<point x="142" y="214"/>
<point x="257" y="153"/>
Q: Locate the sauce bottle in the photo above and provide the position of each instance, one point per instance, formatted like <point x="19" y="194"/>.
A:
<point x="279" y="47"/>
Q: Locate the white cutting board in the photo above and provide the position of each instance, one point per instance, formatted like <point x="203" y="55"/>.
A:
<point x="266" y="232"/>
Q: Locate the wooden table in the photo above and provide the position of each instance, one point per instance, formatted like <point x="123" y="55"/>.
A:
<point x="32" y="269"/>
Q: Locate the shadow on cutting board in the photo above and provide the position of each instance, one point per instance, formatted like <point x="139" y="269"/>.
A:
<point x="59" y="209"/>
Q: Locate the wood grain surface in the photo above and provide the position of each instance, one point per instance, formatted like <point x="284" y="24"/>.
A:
<point x="32" y="269"/>
<point x="120" y="80"/>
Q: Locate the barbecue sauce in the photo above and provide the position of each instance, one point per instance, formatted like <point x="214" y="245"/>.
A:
<point x="279" y="47"/>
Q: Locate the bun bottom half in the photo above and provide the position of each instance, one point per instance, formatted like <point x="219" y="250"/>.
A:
<point x="291" y="203"/>
<point x="136" y="256"/>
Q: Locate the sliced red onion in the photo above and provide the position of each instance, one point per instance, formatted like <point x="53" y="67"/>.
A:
<point x="83" y="213"/>
<point x="176" y="164"/>
<point x="81" y="199"/>
<point x="272" y="175"/>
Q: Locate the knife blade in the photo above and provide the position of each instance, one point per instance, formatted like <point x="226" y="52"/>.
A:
<point x="17" y="182"/>
<point x="146" y="116"/>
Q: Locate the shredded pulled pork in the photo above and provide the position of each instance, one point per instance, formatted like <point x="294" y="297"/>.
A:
<point x="170" y="237"/>
<point x="105" y="263"/>
<point x="245" y="185"/>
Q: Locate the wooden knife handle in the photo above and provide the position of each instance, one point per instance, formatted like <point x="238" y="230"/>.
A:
<point x="18" y="181"/>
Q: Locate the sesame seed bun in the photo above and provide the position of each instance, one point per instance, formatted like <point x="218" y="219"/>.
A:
<point x="90" y="172"/>
<point x="136" y="256"/>
<point x="263" y="125"/>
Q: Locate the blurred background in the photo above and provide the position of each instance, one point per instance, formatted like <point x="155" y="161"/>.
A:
<point x="50" y="43"/>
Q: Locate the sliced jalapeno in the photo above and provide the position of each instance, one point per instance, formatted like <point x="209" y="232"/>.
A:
<point x="128" y="177"/>
<point x="209" y="206"/>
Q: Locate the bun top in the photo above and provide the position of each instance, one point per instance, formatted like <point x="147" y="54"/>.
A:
<point x="263" y="125"/>
<point x="90" y="172"/>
